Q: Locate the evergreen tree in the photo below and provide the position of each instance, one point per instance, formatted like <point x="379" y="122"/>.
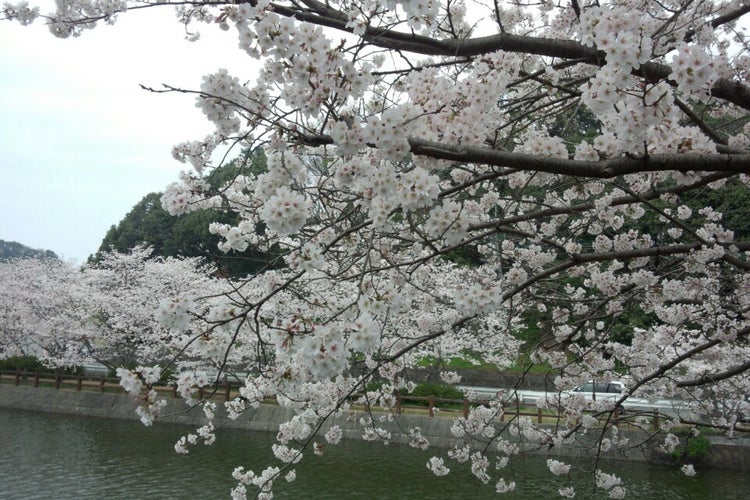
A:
<point x="149" y="224"/>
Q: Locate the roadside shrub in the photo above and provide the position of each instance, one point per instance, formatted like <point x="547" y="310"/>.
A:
<point x="28" y="363"/>
<point x="437" y="390"/>
<point x="31" y="364"/>
<point x="695" y="450"/>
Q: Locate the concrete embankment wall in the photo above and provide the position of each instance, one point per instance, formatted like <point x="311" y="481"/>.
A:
<point x="266" y="418"/>
<point x="123" y="406"/>
<point x="723" y="453"/>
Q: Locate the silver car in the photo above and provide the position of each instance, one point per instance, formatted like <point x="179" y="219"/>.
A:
<point x="592" y="390"/>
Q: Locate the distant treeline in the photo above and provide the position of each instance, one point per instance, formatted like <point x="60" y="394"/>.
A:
<point x="10" y="250"/>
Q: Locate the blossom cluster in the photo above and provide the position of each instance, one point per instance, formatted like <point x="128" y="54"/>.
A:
<point x="694" y="70"/>
<point x="20" y="12"/>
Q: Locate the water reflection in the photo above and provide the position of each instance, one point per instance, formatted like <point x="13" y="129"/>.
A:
<point x="65" y="457"/>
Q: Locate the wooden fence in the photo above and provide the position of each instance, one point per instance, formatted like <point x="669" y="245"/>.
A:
<point x="512" y="408"/>
<point x="83" y="382"/>
<point x="466" y="404"/>
<point x="225" y="390"/>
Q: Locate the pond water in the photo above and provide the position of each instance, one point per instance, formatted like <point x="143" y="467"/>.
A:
<point x="48" y="456"/>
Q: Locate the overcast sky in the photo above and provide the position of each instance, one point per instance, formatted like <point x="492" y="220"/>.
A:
<point x="80" y="141"/>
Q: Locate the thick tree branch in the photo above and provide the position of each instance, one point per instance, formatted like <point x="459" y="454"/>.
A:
<point x="725" y="89"/>
<point x="578" y="259"/>
<point x="604" y="169"/>
<point x="708" y="378"/>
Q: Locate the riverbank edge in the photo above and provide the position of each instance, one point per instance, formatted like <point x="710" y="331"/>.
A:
<point x="723" y="453"/>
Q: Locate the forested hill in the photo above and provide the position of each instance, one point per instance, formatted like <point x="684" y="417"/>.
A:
<point x="14" y="250"/>
<point x="187" y="235"/>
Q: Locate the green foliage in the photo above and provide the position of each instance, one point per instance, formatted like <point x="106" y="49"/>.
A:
<point x="187" y="235"/>
<point x="426" y="390"/>
<point x="374" y="385"/>
<point x="472" y="362"/>
<point x="33" y="364"/>
<point x="434" y="389"/>
<point x="631" y="318"/>
<point x="147" y="223"/>
<point x="249" y="163"/>
<point x="535" y="326"/>
<point x="696" y="449"/>
<point x="732" y="200"/>
<point x="28" y="363"/>
<point x="464" y="256"/>
<point x="575" y="125"/>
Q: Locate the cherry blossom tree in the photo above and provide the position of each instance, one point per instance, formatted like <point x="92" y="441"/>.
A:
<point x="127" y="290"/>
<point x="104" y="312"/>
<point x="576" y="149"/>
<point x="43" y="307"/>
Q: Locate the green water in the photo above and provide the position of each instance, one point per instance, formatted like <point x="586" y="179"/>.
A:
<point x="46" y="456"/>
